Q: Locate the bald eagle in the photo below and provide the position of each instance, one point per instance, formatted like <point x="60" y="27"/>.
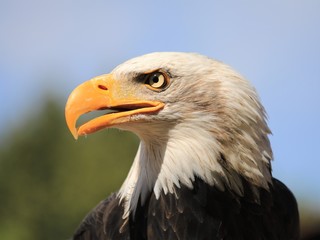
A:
<point x="203" y="166"/>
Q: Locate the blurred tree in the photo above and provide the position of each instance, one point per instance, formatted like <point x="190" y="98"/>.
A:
<point x="49" y="181"/>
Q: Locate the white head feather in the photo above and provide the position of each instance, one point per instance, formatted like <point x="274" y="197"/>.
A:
<point x="210" y="111"/>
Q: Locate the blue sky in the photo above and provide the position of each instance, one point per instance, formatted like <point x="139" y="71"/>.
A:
<point x="52" y="46"/>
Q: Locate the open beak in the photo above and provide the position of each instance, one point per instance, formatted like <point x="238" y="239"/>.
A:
<point x="102" y="93"/>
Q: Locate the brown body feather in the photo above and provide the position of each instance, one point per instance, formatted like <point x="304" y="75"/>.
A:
<point x="203" y="212"/>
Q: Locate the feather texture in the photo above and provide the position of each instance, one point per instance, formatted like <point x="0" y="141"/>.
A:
<point x="199" y="213"/>
<point x="203" y="167"/>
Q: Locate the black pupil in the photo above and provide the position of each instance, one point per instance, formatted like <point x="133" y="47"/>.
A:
<point x="155" y="78"/>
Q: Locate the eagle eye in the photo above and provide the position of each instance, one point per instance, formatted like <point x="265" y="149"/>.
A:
<point x="156" y="80"/>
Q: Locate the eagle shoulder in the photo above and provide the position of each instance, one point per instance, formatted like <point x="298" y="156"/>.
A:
<point x="104" y="222"/>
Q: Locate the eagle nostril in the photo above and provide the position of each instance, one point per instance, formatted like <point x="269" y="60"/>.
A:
<point x="102" y="87"/>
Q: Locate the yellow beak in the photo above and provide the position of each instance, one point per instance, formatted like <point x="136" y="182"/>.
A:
<point x="101" y="93"/>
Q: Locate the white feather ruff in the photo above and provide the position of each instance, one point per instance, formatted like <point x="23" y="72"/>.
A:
<point x="210" y="111"/>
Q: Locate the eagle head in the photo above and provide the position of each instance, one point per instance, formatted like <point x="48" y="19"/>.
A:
<point x="196" y="117"/>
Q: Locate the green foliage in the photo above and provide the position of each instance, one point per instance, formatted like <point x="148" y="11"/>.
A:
<point x="49" y="181"/>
